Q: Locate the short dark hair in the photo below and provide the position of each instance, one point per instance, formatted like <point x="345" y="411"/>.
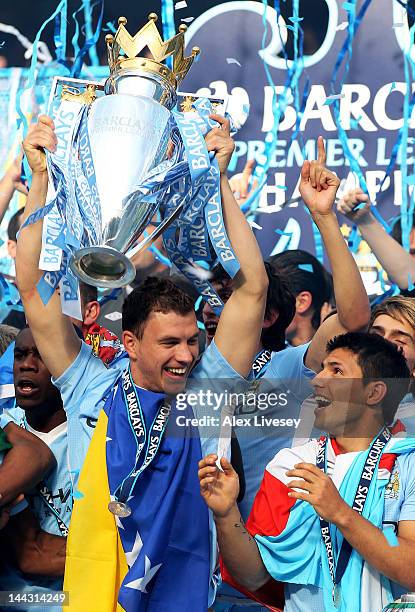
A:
<point x="153" y="295"/>
<point x="305" y="273"/>
<point x="88" y="293"/>
<point x="280" y="299"/>
<point x="14" y="225"/>
<point x="378" y="359"/>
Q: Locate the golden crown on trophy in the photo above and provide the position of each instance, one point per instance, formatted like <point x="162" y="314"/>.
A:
<point x="124" y="48"/>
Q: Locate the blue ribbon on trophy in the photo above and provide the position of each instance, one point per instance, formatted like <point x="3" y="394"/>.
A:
<point x="121" y="158"/>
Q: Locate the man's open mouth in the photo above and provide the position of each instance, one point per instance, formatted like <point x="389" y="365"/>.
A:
<point x="175" y="372"/>
<point x="321" y="401"/>
<point x="26" y="387"/>
<point x="210" y="328"/>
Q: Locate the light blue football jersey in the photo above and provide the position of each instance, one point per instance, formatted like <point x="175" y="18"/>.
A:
<point x="87" y="383"/>
<point x="399" y="506"/>
<point x="58" y="482"/>
<point x="10" y="578"/>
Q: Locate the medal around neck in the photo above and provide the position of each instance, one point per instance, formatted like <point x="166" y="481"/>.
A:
<point x="120" y="509"/>
<point x="336" y="594"/>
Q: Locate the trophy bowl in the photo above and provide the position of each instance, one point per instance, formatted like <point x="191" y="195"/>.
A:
<point x="129" y="136"/>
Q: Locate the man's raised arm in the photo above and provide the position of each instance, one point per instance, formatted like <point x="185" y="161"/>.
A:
<point x="240" y="324"/>
<point x="318" y="188"/>
<point x="398" y="264"/>
<point x="54" y="335"/>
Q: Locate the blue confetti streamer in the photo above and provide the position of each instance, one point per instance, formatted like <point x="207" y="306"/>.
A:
<point x="88" y="10"/>
<point x="109" y="27"/>
<point x="31" y="79"/>
<point x="159" y="255"/>
<point x="390" y="535"/>
<point x="406" y="211"/>
<point x="113" y="295"/>
<point x="278" y="106"/>
<point x="169" y="30"/>
<point x="349" y="7"/>
<point x="306" y="268"/>
<point x="393" y="290"/>
<point x="90" y="42"/>
<point x="75" y="37"/>
<point x="59" y="37"/>
<point x="198" y="302"/>
<point x="300" y="114"/>
<point x="347" y="50"/>
<point x="281" y="233"/>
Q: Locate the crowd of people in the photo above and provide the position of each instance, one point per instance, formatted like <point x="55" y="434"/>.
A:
<point x="266" y="462"/>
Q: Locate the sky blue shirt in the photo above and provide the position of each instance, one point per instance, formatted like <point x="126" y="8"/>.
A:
<point x="399" y="506"/>
<point x="58" y="480"/>
<point x="87" y="383"/>
<point x="288" y="378"/>
<point x="11" y="579"/>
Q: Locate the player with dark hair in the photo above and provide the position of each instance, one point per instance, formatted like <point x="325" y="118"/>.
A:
<point x="160" y="335"/>
<point x="281" y="383"/>
<point x="309" y="282"/>
<point x="279" y="309"/>
<point x="12" y="230"/>
<point x="36" y="536"/>
<point x="352" y="491"/>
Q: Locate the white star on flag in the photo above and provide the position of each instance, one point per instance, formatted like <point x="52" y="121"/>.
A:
<point x="133" y="554"/>
<point x="149" y="573"/>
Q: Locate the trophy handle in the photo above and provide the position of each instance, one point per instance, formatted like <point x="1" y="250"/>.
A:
<point x="69" y="83"/>
<point x="185" y="101"/>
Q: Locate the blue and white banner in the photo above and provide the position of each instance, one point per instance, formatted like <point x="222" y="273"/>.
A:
<point x="303" y="76"/>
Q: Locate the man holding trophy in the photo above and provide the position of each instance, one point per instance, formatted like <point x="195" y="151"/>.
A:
<point x="140" y="536"/>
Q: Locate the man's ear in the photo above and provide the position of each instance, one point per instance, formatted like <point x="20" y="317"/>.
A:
<point x="375" y="392"/>
<point x="129" y="341"/>
<point x="91" y="312"/>
<point x="303" y="302"/>
<point x="11" y="248"/>
<point x="270" y="318"/>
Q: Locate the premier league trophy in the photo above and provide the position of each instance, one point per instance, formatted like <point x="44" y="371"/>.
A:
<point x="113" y="143"/>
